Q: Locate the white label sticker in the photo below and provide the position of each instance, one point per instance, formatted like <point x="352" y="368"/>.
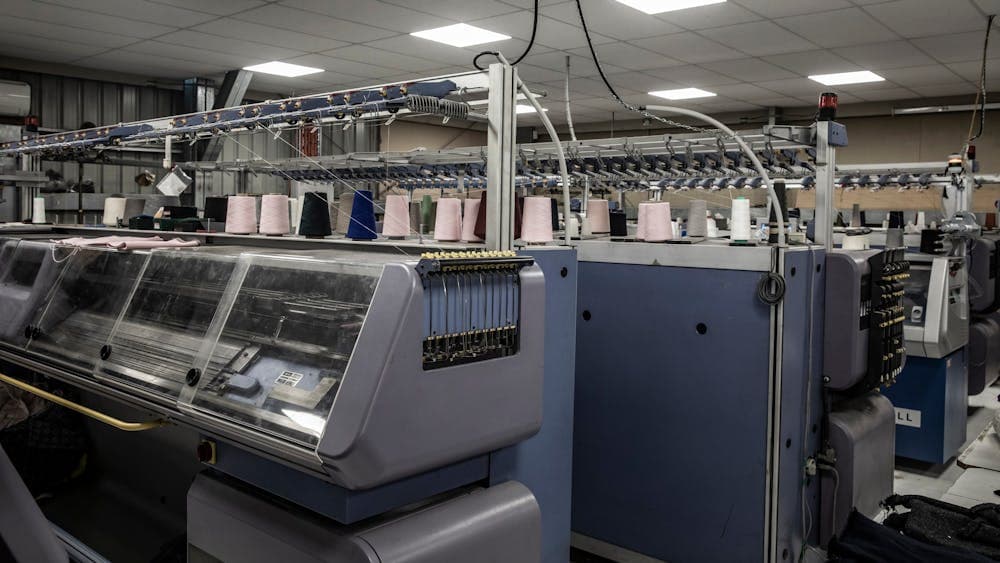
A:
<point x="289" y="378"/>
<point x="908" y="417"/>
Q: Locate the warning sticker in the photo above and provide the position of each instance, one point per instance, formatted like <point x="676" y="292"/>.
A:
<point x="289" y="378"/>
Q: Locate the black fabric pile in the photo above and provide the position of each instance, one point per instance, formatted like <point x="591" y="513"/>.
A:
<point x="932" y="531"/>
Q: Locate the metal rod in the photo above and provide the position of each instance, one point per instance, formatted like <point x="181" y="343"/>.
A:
<point x="86" y="411"/>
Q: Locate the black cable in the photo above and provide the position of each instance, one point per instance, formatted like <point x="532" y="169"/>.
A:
<point x="771" y="288"/>
<point x="531" y="44"/>
<point x="982" y="80"/>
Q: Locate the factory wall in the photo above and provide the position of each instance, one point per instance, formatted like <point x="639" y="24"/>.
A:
<point x="404" y="136"/>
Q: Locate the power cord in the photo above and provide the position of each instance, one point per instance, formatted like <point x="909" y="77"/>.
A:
<point x="531" y="44"/>
<point x="981" y="94"/>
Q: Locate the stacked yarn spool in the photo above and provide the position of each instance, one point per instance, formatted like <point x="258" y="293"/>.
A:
<point x="397" y="217"/>
<point x="654" y="222"/>
<point x="274" y="215"/>
<point x="38" y="210"/>
<point x="315" y="218"/>
<point x="344" y="205"/>
<point x="599" y="216"/>
<point x="469" y="220"/>
<point x="739" y="226"/>
<point x="241" y="215"/>
<point x="362" y="225"/>
<point x="448" y="223"/>
<point x="537" y="227"/>
<point x="114" y="211"/>
<point x="697" y="225"/>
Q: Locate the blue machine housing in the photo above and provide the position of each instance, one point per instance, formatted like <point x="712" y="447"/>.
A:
<point x="678" y="451"/>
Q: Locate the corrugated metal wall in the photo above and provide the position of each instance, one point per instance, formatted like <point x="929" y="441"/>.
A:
<point x="66" y="103"/>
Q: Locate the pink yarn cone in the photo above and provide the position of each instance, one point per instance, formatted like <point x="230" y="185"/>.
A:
<point x="448" y="223"/>
<point x="241" y="215"/>
<point x="659" y="228"/>
<point x="600" y="216"/>
<point x="274" y="215"/>
<point x="537" y="222"/>
<point x="397" y="216"/>
<point x="469" y="220"/>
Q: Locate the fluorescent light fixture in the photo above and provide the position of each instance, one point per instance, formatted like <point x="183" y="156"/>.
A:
<point x="660" y="6"/>
<point x="839" y="78"/>
<point x="287" y="70"/>
<point x="682" y="94"/>
<point x="460" y="35"/>
<point x="522" y="108"/>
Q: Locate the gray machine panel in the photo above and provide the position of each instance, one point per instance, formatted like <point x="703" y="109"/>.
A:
<point x="845" y="338"/>
<point x="227" y="522"/>
<point x="936" y="306"/>
<point x="862" y="432"/>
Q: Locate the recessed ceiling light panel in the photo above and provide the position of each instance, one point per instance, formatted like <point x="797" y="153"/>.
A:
<point x="682" y="94"/>
<point x="287" y="70"/>
<point x="460" y="35"/>
<point x="660" y="6"/>
<point x="840" y="78"/>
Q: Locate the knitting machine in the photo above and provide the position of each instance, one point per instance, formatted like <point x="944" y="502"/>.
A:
<point x="315" y="358"/>
<point x="930" y="397"/>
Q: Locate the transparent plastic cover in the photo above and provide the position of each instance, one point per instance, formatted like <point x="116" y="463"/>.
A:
<point x="286" y="342"/>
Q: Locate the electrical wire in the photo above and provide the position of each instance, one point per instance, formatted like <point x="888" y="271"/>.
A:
<point x="981" y="93"/>
<point x="531" y="44"/>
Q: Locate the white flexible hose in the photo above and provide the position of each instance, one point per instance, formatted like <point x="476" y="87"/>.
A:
<point x="772" y="196"/>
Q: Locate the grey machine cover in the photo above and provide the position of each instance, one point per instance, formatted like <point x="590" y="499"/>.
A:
<point x="863" y="435"/>
<point x="24" y="531"/>
<point x="984" y="354"/>
<point x="232" y="523"/>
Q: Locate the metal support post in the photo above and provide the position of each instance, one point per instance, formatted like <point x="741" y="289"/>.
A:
<point x="501" y="135"/>
<point x="825" y="166"/>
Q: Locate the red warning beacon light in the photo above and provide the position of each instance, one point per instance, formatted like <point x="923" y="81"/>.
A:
<point x="827" y="106"/>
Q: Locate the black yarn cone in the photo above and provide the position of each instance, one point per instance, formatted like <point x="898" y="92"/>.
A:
<point x="555" y="214"/>
<point x="480" y="230"/>
<point x="215" y="208"/>
<point x="315" y="221"/>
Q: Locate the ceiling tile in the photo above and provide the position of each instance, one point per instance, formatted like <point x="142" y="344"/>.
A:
<point x="891" y="54"/>
<point x="970" y="70"/>
<point x="629" y="56"/>
<point x="459" y="10"/>
<point x="185" y="53"/>
<point x="957" y="47"/>
<point x="760" y="38"/>
<point x="581" y="88"/>
<point x="139" y="10"/>
<point x="388" y="59"/>
<point x="124" y="61"/>
<point x="239" y="29"/>
<point x="25" y="46"/>
<point x="692" y="76"/>
<point x="781" y="101"/>
<point x="952" y="89"/>
<point x="341" y="66"/>
<point x="610" y="18"/>
<point x="580" y="65"/>
<point x="840" y="28"/>
<point x="705" y="17"/>
<point x="217" y="7"/>
<point x="743" y="91"/>
<point x="780" y="8"/>
<point x="688" y="47"/>
<point x="642" y="82"/>
<point x="918" y="18"/>
<point x="375" y="13"/>
<point x="812" y="62"/>
<point x="228" y="45"/>
<point x="749" y="70"/>
<point x="794" y="87"/>
<point x="926" y="75"/>
<point x="409" y="45"/>
<point x="302" y="21"/>
<point x="87" y="20"/>
<point x="41" y="30"/>
<point x="551" y="32"/>
<point x="888" y="94"/>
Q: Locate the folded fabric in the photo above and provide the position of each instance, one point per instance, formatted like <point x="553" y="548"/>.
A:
<point x="126" y="243"/>
<point x="154" y="242"/>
